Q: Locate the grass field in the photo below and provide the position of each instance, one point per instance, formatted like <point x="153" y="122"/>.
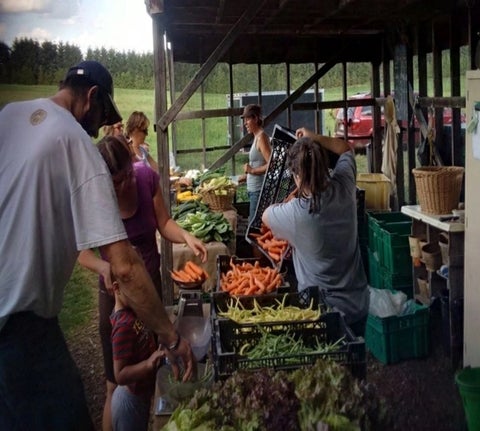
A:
<point x="189" y="133"/>
<point x="79" y="300"/>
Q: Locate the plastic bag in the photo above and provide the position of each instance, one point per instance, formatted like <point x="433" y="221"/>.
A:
<point x="385" y="303"/>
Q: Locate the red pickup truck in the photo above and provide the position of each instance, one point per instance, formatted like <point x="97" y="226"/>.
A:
<point x="360" y="123"/>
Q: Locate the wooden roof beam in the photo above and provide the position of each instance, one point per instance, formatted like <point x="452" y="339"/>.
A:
<point x="209" y="64"/>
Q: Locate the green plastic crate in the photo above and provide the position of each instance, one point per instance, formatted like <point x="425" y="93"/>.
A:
<point x="396" y="338"/>
<point x="394" y="248"/>
<point x="404" y="283"/>
<point x="377" y="220"/>
<point x="380" y="278"/>
<point x="375" y="278"/>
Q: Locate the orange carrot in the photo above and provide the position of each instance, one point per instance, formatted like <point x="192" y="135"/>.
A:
<point x="260" y="285"/>
<point x="275" y="256"/>
<point x="251" y="290"/>
<point x="276" y="250"/>
<point x="192" y="274"/>
<point x="194" y="267"/>
<point x="274" y="284"/>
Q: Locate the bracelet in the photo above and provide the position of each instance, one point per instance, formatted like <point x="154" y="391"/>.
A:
<point x="174" y="346"/>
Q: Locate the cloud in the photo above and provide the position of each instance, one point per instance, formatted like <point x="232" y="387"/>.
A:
<point x="22" y="6"/>
<point x="40" y="34"/>
<point x="52" y="8"/>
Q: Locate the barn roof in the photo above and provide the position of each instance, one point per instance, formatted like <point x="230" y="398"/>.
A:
<point x="305" y="31"/>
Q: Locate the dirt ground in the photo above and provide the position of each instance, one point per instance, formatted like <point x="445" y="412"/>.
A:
<point x="421" y="394"/>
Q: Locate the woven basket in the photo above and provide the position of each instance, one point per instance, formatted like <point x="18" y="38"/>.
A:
<point x="438" y="188"/>
<point x="219" y="202"/>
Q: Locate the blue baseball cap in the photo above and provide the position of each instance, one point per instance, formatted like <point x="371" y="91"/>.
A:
<point x="97" y="74"/>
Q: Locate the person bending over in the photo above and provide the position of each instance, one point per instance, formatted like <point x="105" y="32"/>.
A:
<point x="320" y="223"/>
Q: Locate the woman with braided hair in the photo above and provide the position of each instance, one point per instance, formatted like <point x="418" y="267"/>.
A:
<point x="320" y="223"/>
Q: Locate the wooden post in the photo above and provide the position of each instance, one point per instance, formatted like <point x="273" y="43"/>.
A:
<point x="155" y="9"/>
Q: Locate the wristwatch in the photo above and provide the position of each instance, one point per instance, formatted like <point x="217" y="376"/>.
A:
<point x="174" y="346"/>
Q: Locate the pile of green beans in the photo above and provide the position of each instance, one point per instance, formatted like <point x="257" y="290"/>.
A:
<point x="279" y="313"/>
<point x="271" y="345"/>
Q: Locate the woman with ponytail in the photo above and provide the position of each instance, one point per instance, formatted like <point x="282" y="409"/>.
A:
<point x="320" y="223"/>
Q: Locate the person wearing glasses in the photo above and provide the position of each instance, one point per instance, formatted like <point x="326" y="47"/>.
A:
<point x="143" y="213"/>
<point x="136" y="131"/>
<point x="57" y="198"/>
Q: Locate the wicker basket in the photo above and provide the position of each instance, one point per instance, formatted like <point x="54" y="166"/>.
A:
<point x="438" y="188"/>
<point x="219" y="202"/>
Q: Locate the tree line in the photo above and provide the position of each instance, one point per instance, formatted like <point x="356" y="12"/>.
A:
<point x="30" y="62"/>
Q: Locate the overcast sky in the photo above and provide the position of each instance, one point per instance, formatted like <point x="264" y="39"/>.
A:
<point x="123" y="25"/>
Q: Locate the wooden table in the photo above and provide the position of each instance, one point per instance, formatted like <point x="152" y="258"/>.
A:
<point x="182" y="253"/>
<point x="430" y="226"/>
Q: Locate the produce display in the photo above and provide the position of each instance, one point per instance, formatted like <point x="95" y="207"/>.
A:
<point x="218" y="193"/>
<point x="219" y="185"/>
<point x="246" y="278"/>
<point x="191" y="273"/>
<point x="299" y="342"/>
<point x="187" y="196"/>
<point x="278" y="312"/>
<point x="310" y="398"/>
<point x="180" y="211"/>
<point x="273" y="247"/>
<point x="200" y="177"/>
<point x="286" y="344"/>
<point x="197" y="183"/>
<point x="196" y="218"/>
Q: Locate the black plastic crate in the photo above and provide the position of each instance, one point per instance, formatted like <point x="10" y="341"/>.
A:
<point x="221" y="300"/>
<point x="278" y="183"/>
<point x="223" y="266"/>
<point x="229" y="337"/>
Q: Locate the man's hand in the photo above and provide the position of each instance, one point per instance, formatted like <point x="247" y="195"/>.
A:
<point x="183" y="352"/>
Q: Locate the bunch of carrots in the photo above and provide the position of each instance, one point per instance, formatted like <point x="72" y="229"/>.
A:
<point x="274" y="247"/>
<point x="190" y="273"/>
<point x="250" y="279"/>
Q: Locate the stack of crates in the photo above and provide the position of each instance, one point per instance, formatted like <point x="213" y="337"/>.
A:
<point x="389" y="260"/>
<point x="394" y="338"/>
<point x="229" y="336"/>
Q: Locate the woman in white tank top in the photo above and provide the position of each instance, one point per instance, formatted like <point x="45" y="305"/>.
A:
<point x="258" y="157"/>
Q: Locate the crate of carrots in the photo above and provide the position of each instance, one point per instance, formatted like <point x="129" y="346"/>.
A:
<point x="274" y="249"/>
<point x="248" y="276"/>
